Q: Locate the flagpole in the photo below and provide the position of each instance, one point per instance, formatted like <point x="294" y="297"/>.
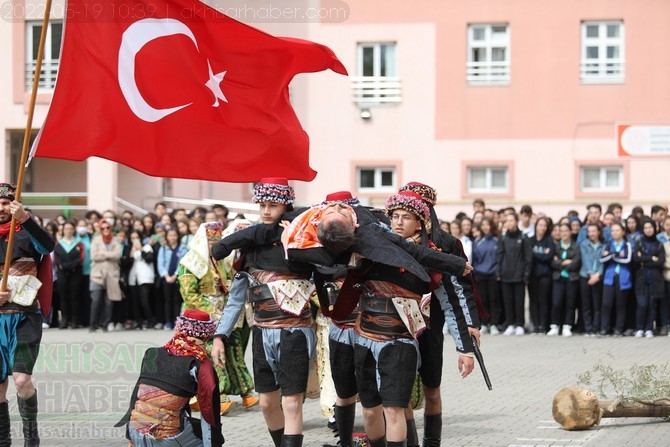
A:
<point x="26" y="141"/>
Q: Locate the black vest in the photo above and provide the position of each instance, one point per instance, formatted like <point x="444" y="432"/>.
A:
<point x="169" y="372"/>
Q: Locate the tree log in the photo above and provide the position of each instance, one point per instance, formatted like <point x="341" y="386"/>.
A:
<point x="579" y="409"/>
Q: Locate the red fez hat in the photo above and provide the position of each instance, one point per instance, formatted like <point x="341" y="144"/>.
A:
<point x="198" y="315"/>
<point x="343" y="197"/>
<point x="338" y="196"/>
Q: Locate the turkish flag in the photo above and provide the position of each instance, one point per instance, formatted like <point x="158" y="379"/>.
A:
<point x="173" y="88"/>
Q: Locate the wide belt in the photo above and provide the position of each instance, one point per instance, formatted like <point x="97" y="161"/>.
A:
<point x="260" y="292"/>
<point x="380" y="317"/>
<point x="268" y="311"/>
<point x="378" y="305"/>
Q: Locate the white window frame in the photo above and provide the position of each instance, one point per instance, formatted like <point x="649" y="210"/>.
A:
<point x="378" y="171"/>
<point x="602" y="69"/>
<point x="377" y="88"/>
<point x="391" y="71"/>
<point x="602" y="187"/>
<point x="49" y="68"/>
<point x="488" y="188"/>
<point x="488" y="72"/>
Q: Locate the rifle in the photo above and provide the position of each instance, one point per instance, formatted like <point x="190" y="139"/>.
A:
<point x="480" y="360"/>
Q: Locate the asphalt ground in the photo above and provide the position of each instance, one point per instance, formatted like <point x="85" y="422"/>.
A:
<point x="84" y="383"/>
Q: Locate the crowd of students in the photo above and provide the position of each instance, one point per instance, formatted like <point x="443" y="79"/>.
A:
<point x="119" y="271"/>
<point x="605" y="274"/>
<point x="602" y="275"/>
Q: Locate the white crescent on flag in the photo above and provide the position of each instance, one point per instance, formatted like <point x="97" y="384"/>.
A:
<point x="134" y="38"/>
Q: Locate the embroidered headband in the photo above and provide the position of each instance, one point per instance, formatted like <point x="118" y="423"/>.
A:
<point x="196" y="323"/>
<point x="275" y="190"/>
<point x="409" y="201"/>
<point x="7" y="191"/>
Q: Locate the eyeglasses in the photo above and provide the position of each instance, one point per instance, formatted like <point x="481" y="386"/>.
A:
<point x="404" y="218"/>
<point x="105" y="228"/>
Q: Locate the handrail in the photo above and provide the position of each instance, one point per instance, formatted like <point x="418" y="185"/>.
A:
<point x="130" y="205"/>
<point x="234" y="208"/>
<point x="376" y="89"/>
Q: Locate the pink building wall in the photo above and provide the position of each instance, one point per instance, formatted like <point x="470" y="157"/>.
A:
<point x="543" y="126"/>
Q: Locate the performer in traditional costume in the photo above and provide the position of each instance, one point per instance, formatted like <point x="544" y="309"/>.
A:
<point x="284" y="339"/>
<point x="21" y="312"/>
<point x="204" y="285"/>
<point x="159" y="413"/>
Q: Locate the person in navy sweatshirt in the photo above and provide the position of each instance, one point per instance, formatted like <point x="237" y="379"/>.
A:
<point x="485" y="264"/>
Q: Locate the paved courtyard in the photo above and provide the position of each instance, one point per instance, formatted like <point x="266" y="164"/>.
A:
<point x="85" y="380"/>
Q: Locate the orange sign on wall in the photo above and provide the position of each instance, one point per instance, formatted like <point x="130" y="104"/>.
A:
<point x="643" y="140"/>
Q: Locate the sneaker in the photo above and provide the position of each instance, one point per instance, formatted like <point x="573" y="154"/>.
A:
<point x="159" y="326"/>
<point x="664" y="330"/>
<point x="567" y="330"/>
<point x="639" y="333"/>
<point x="509" y="330"/>
<point x="628" y="333"/>
<point x="118" y="327"/>
<point x="168" y="327"/>
<point x="484" y="329"/>
<point x="493" y="330"/>
<point x="45" y="325"/>
<point x="553" y="331"/>
<point x="649" y="334"/>
<point x="110" y="327"/>
<point x="227" y="406"/>
<point x="250" y="400"/>
<point x="519" y="331"/>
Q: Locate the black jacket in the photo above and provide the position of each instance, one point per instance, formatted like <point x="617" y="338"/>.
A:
<point x="514" y="257"/>
<point x="68" y="261"/>
<point x="572" y="253"/>
<point x="541" y="260"/>
<point x="261" y="248"/>
<point x="647" y="267"/>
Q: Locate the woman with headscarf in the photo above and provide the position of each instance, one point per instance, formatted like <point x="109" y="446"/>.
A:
<point x="105" y="273"/>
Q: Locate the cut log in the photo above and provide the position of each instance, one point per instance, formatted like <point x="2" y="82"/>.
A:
<point x="579" y="409"/>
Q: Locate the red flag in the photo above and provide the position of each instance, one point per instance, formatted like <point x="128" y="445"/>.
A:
<point x="173" y="88"/>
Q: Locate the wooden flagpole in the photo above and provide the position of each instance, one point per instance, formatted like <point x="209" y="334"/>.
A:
<point x="26" y="141"/>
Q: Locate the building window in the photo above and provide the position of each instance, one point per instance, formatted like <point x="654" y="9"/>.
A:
<point x="601" y="178"/>
<point x="376" y="79"/>
<point x="376" y="179"/>
<point x="52" y="45"/>
<point x="488" y="54"/>
<point x="602" y="53"/>
<point x="487" y="179"/>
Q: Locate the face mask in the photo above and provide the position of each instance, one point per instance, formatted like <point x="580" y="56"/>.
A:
<point x="82" y="231"/>
<point x="110" y="220"/>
